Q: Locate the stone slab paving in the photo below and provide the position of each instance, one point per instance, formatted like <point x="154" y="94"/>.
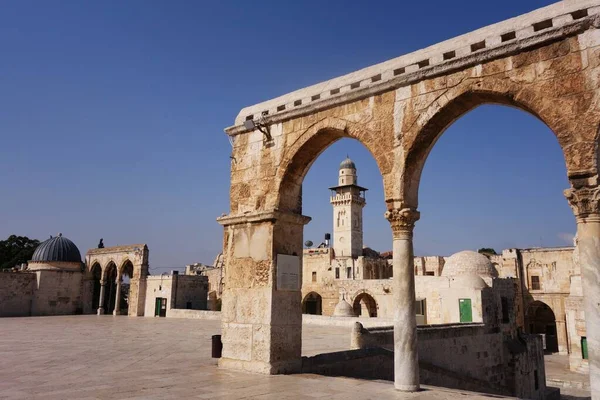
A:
<point x="105" y="357"/>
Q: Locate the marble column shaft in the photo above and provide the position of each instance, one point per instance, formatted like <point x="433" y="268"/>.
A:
<point x="117" y="310"/>
<point x="585" y="202"/>
<point x="101" y="298"/>
<point x="406" y="358"/>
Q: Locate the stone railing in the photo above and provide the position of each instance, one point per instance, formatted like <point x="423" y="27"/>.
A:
<point x="504" y="38"/>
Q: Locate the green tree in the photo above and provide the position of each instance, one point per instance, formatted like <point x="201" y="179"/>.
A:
<point x="487" y="250"/>
<point x="16" y="250"/>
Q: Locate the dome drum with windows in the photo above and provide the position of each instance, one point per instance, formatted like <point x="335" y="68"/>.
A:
<point x="56" y="253"/>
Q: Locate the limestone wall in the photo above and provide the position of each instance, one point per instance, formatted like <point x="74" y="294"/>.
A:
<point x="57" y="293"/>
<point x="468" y="356"/>
<point x="190" y="292"/>
<point x="16" y="293"/>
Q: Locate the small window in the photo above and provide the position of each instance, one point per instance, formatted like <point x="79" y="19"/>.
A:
<point x="348" y="272"/>
<point x="505" y="311"/>
<point x="188" y="305"/>
<point x="430" y="273"/>
<point x="314" y="276"/>
<point x="535" y="282"/>
<point x="337" y="273"/>
<point x="420" y="307"/>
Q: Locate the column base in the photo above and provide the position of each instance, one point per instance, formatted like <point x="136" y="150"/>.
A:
<point x="100" y="311"/>
<point x="407" y="388"/>
<point x="116" y="312"/>
<point x="260" y="367"/>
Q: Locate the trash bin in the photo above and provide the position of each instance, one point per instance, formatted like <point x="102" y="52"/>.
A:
<point x="217" y="346"/>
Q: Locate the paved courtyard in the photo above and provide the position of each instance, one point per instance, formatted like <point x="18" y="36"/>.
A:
<point x="91" y="357"/>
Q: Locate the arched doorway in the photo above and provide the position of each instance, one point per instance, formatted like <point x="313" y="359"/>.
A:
<point x="123" y="291"/>
<point x="312" y="304"/>
<point x="540" y="319"/>
<point x="364" y="305"/>
<point x="110" y="288"/>
<point x="96" y="272"/>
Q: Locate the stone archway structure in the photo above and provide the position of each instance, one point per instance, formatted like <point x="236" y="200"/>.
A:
<point x="133" y="260"/>
<point x="364" y="304"/>
<point x="546" y="63"/>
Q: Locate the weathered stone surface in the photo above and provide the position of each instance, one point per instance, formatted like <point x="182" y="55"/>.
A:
<point x="398" y="110"/>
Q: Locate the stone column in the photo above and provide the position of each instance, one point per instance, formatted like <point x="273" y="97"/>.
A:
<point x="101" y="298"/>
<point x="406" y="359"/>
<point x="261" y="314"/>
<point x="585" y="202"/>
<point x="117" y="309"/>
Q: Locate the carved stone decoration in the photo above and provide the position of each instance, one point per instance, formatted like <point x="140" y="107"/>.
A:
<point x="402" y="220"/>
<point x="585" y="201"/>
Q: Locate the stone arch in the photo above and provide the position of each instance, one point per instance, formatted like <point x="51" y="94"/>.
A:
<point x="312" y="304"/>
<point x="364" y="304"/>
<point x="302" y="152"/>
<point x="110" y="274"/>
<point x="541" y="319"/>
<point x="429" y="124"/>
<point x="96" y="277"/>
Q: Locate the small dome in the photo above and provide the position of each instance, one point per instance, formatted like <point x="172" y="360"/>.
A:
<point x="343" y="309"/>
<point x="347" y="164"/>
<point x="469" y="262"/>
<point x="469" y="281"/>
<point x="58" y="248"/>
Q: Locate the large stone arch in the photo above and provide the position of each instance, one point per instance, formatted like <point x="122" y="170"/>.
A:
<point x="427" y="125"/>
<point x="303" y="150"/>
<point x="546" y="62"/>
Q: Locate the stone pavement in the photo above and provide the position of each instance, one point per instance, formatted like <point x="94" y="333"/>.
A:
<point x="106" y="357"/>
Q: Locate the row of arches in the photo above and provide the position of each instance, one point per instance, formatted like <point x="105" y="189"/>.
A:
<point x="116" y="281"/>
<point x="364" y="305"/>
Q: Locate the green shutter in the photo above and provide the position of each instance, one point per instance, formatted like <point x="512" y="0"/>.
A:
<point x="584" y="349"/>
<point x="465" y="310"/>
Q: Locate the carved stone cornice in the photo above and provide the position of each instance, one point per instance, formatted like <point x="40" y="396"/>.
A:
<point x="402" y="221"/>
<point x="585" y="202"/>
<point x="264" y="216"/>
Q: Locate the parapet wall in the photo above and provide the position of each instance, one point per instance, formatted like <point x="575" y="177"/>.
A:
<point x="501" y="39"/>
<point x="467" y="356"/>
<point x="16" y="293"/>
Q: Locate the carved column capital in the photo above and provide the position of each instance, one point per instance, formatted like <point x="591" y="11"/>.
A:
<point x="585" y="202"/>
<point x="402" y="221"/>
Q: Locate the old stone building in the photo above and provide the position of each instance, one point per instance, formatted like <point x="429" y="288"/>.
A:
<point x="544" y="62"/>
<point x="112" y="280"/>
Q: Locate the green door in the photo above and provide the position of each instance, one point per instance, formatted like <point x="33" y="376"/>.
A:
<point x="157" y="306"/>
<point x="464" y="308"/>
<point x="584" y="350"/>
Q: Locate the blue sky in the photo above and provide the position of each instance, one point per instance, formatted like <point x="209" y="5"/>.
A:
<point x="112" y="117"/>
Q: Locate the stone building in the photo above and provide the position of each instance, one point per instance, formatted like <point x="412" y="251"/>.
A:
<point x="52" y="284"/>
<point x="113" y="280"/>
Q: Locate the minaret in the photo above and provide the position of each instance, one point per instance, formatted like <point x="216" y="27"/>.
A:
<point x="348" y="200"/>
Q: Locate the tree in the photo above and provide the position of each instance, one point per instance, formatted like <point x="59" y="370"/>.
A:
<point x="487" y="251"/>
<point x="16" y="250"/>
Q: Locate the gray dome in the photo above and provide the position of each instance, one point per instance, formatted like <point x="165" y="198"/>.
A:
<point x="469" y="263"/>
<point x="347" y="163"/>
<point x="58" y="248"/>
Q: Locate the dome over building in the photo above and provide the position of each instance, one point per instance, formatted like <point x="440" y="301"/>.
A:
<point x="469" y="263"/>
<point x="343" y="309"/>
<point x="347" y="164"/>
<point x="469" y="281"/>
<point x="57" y="249"/>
